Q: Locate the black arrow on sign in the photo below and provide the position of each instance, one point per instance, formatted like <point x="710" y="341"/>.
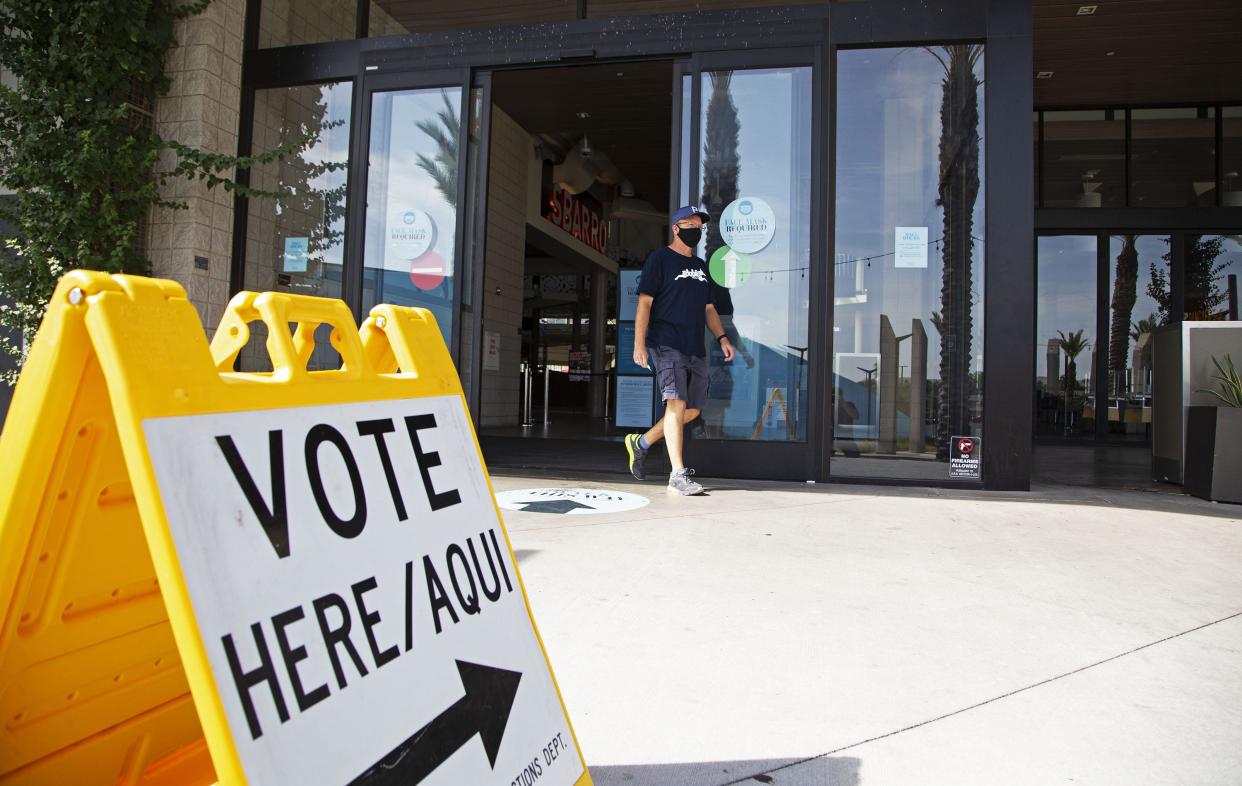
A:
<point x="553" y="506"/>
<point x="484" y="710"/>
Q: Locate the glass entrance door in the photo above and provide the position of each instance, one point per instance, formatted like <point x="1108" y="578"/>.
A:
<point x="416" y="141"/>
<point x="1066" y="336"/>
<point x="1099" y="297"/>
<point x="747" y="158"/>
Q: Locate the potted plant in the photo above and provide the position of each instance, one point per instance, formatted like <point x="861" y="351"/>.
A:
<point x="1214" y="439"/>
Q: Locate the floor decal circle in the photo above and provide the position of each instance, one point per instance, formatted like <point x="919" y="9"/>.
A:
<point x="575" y="501"/>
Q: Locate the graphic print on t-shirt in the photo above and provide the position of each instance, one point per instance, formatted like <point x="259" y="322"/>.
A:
<point x="680" y="293"/>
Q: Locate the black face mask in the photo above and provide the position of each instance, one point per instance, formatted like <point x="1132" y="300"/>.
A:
<point x="690" y="235"/>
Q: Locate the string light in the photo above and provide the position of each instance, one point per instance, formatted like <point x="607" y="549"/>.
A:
<point x="802" y="270"/>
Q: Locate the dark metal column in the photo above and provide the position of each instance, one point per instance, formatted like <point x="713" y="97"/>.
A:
<point x="1009" y="299"/>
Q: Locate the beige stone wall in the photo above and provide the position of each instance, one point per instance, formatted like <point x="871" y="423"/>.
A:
<point x="288" y="22"/>
<point x="381" y="23"/>
<point x="201" y="109"/>
<point x="507" y="185"/>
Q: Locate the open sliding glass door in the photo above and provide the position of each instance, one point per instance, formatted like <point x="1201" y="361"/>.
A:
<point x="749" y="149"/>
<point x="419" y="148"/>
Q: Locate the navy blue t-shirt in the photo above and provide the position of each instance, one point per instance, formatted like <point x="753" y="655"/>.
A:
<point x="681" y="291"/>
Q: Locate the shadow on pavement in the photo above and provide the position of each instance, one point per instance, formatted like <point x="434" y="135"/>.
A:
<point x="820" y="771"/>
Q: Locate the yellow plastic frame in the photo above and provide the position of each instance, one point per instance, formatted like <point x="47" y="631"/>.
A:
<point x="103" y="674"/>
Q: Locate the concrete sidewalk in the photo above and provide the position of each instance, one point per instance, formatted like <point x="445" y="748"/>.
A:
<point x="776" y="633"/>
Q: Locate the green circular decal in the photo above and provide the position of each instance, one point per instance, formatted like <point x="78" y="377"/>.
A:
<point x="729" y="268"/>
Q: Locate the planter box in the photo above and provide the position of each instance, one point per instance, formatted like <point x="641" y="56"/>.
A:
<point x="1214" y="453"/>
<point x="1181" y="365"/>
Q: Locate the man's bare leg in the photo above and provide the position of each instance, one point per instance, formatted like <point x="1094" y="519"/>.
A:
<point x="656" y="432"/>
<point x="674" y="417"/>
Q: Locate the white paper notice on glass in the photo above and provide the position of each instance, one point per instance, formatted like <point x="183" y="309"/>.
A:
<point x="627" y="293"/>
<point x="296" y="250"/>
<point x="910" y="247"/>
<point x="633" y="401"/>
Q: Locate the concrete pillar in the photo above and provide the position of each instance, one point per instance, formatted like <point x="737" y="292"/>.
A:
<point x="918" y="385"/>
<point x="598" y="335"/>
<point x="888" y="388"/>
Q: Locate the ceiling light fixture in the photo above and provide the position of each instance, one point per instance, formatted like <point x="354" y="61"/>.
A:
<point x="583" y="115"/>
<point x="1110" y="54"/>
<point x="1044" y="75"/>
<point x="1087" y="10"/>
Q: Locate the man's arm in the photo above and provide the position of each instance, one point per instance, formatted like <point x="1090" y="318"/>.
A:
<point x="713" y="324"/>
<point x="641" y="317"/>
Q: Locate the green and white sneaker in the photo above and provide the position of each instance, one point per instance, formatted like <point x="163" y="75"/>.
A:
<point x="681" y="483"/>
<point x="637" y="456"/>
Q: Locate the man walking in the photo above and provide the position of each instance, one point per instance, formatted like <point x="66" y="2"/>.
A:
<point x="674" y="307"/>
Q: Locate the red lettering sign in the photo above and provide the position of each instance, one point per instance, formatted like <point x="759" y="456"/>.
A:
<point x="577" y="218"/>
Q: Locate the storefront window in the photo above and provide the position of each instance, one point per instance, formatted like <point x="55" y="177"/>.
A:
<point x="755" y="132"/>
<point x="1065" y="336"/>
<point x="1213" y="270"/>
<point x="1084" y="162"/>
<point x="291" y="22"/>
<point x="412" y="201"/>
<point x="398" y="17"/>
<point x="1140" y="300"/>
<point x="295" y="242"/>
<point x="907" y="365"/>
<point x="1231" y="150"/>
<point x="1172" y="157"/>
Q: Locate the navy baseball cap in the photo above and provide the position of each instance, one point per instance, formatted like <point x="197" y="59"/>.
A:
<point x="682" y="213"/>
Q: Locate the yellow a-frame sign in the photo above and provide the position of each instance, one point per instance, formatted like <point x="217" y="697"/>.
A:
<point x="285" y="577"/>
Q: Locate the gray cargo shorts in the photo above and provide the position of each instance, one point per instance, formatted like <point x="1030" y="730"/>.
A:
<point x="679" y="376"/>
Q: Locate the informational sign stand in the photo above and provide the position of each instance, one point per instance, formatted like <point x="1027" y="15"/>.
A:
<point x="269" y="578"/>
<point x="634" y="403"/>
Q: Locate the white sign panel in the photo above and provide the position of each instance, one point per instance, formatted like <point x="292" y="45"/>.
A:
<point x="296" y="251"/>
<point x="633" y="401"/>
<point x="747" y="225"/>
<point x="628" y="294"/>
<point x="574" y="501"/>
<point x="356" y="596"/>
<point x="910" y="247"/>
<point x="411" y="233"/>
<point x="491" y="350"/>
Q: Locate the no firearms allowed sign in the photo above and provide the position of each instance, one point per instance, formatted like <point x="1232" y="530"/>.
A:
<point x="316" y="554"/>
<point x="965" y="458"/>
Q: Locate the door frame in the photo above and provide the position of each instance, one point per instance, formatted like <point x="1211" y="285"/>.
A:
<point x="745" y="458"/>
